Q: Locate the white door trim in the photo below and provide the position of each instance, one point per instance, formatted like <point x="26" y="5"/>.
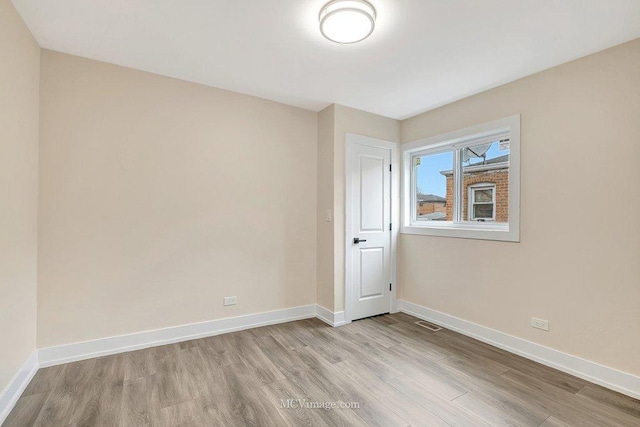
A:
<point x="352" y="139"/>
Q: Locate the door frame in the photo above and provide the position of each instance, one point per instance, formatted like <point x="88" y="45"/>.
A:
<point x="352" y="140"/>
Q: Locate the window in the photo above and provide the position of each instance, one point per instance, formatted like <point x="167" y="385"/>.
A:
<point x="465" y="183"/>
<point x="482" y="202"/>
<point x="432" y="199"/>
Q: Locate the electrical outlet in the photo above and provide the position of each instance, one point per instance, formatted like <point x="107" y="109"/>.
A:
<point x="540" y="324"/>
<point x="328" y="215"/>
<point x="230" y="300"/>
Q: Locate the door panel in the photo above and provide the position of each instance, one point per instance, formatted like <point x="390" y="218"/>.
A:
<point x="372" y="283"/>
<point x="370" y="215"/>
<point x="372" y="174"/>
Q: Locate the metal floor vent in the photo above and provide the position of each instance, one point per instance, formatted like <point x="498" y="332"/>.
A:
<point x="429" y="326"/>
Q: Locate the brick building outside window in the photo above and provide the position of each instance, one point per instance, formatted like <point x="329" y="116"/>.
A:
<point x="431" y="206"/>
<point x="485" y="191"/>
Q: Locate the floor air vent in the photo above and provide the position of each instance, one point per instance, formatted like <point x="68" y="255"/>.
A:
<point x="429" y="326"/>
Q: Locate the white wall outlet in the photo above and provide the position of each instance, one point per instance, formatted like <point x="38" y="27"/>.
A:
<point x="328" y="215"/>
<point x="540" y="324"/>
<point x="230" y="300"/>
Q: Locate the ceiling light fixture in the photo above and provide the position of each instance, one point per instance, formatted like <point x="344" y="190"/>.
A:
<point x="347" y="21"/>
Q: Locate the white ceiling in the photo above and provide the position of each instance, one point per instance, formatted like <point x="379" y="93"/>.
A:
<point x="423" y="53"/>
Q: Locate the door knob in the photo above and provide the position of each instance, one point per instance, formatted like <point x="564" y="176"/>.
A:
<point x="357" y="240"/>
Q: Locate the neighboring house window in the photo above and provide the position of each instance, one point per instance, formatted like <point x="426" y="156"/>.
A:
<point x="465" y="183"/>
<point x="482" y="202"/>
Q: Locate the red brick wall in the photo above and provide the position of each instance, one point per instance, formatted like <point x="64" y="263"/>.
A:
<point x="430" y="207"/>
<point x="501" y="180"/>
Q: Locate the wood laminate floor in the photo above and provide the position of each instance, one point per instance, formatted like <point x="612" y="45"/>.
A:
<point x="396" y="373"/>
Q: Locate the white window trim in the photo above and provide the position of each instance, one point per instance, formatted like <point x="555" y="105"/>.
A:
<point x="509" y="232"/>
<point x="472" y="195"/>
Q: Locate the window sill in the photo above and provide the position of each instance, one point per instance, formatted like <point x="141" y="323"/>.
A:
<point x="481" y="231"/>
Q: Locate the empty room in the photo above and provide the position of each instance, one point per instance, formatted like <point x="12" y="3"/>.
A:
<point x="320" y="213"/>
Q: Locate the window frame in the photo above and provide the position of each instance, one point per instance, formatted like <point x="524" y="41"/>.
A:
<point x="471" y="189"/>
<point x="452" y="142"/>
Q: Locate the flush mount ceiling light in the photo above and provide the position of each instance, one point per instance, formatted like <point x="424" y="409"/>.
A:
<point x="347" y="21"/>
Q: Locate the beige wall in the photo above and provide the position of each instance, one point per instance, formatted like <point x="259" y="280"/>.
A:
<point x="333" y="125"/>
<point x="325" y="291"/>
<point x="160" y="197"/>
<point x="349" y="120"/>
<point x="19" y="82"/>
<point x="577" y="264"/>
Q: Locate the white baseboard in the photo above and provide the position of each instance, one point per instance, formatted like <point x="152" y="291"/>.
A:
<point x="339" y="318"/>
<point x="608" y="377"/>
<point x="329" y="317"/>
<point x="16" y="386"/>
<point x="105" y="346"/>
<point x="603" y="375"/>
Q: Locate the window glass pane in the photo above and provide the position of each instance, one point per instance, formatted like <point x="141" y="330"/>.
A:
<point x="434" y="198"/>
<point x="483" y="211"/>
<point x="481" y="196"/>
<point x="486" y="164"/>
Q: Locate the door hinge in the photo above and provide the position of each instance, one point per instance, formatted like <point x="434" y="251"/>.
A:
<point x="389" y="168"/>
<point x="389" y="287"/>
<point x="389" y="226"/>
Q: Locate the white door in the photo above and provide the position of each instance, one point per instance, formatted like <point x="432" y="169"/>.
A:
<point x="369" y="245"/>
